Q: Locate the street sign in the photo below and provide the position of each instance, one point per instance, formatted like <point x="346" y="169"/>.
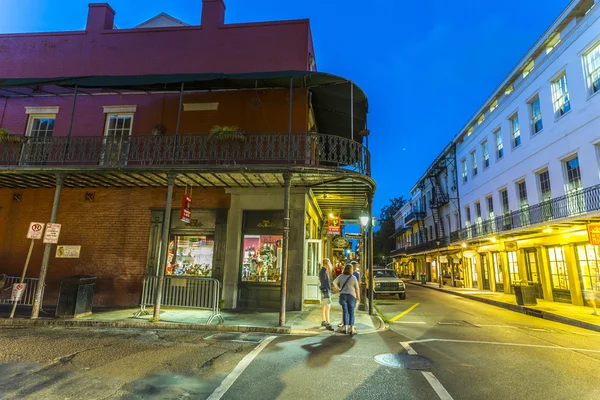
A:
<point x="17" y="291"/>
<point x="36" y="230"/>
<point x="356" y="236"/>
<point x="594" y="234"/>
<point x="63" y="251"/>
<point x="52" y="233"/>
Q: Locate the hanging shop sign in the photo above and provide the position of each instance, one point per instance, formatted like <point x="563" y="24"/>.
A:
<point x="594" y="234"/>
<point x="356" y="236"/>
<point x="186" y="209"/>
<point x="469" y="254"/>
<point x="17" y="291"/>
<point x="340" y="243"/>
<point x="52" y="233"/>
<point x="36" y="231"/>
<point x="68" y="251"/>
<point x="428" y="259"/>
<point x="443" y="259"/>
<point x="334" y="226"/>
<point x="510" y="246"/>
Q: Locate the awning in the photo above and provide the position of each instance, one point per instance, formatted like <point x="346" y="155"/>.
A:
<point x="331" y="94"/>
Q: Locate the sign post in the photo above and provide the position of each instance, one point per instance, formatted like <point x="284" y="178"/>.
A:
<point x="35" y="232"/>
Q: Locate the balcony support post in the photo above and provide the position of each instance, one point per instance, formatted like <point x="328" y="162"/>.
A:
<point x="287" y="179"/>
<point x="164" y="248"/>
<point x="370" y="259"/>
<point x="37" y="301"/>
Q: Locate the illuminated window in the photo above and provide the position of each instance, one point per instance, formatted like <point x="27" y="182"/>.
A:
<point x="591" y="61"/>
<point x="470" y="131"/>
<point x="494" y="105"/>
<point x="560" y="96"/>
<point x="558" y="268"/>
<point x="262" y="258"/>
<point x="497" y="268"/>
<point x="481" y="119"/>
<point x="509" y="89"/>
<point x="191" y="255"/>
<point x="474" y="163"/>
<point x="504" y="201"/>
<point x="554" y="40"/>
<point x="544" y="181"/>
<point x="515" y="131"/>
<point x="490" y="206"/>
<point x="589" y="267"/>
<point x="464" y="170"/>
<point x="536" y="115"/>
<point x="513" y="266"/>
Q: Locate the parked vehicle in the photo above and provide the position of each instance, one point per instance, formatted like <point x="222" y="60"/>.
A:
<point x="387" y="282"/>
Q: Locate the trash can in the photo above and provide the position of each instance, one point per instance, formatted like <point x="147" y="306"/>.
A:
<point x="76" y="296"/>
<point x="423" y="278"/>
<point x="525" y="293"/>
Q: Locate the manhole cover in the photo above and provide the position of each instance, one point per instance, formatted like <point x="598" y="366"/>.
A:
<point x="405" y="361"/>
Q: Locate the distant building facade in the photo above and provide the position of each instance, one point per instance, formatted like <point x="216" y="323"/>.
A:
<point x="525" y="176"/>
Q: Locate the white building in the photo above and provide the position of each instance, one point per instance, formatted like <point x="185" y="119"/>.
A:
<point x="528" y="169"/>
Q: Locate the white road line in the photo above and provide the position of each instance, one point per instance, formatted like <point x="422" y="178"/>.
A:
<point x="435" y="384"/>
<point x="410" y="322"/>
<point x="239" y="369"/>
<point x="539" y="346"/>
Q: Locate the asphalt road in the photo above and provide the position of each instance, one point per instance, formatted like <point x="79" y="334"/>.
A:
<point x="445" y="347"/>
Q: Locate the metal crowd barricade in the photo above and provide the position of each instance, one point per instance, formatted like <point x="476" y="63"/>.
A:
<point x="184" y="292"/>
<point x="27" y="296"/>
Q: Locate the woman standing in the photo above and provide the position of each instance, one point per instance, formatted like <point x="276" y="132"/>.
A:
<point x="349" y="290"/>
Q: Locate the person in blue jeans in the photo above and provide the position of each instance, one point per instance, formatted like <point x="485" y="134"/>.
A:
<point x="347" y="285"/>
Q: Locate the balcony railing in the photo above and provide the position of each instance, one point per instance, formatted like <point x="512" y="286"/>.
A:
<point x="570" y="205"/>
<point x="429" y="246"/>
<point x="264" y="149"/>
<point x="413" y="216"/>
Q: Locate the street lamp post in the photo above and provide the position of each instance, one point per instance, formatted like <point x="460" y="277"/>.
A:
<point x="439" y="266"/>
<point x="364" y="220"/>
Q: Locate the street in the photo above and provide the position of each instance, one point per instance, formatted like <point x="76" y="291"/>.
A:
<point x="449" y="348"/>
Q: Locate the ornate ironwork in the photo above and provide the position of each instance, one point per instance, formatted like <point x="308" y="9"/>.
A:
<point x="270" y="149"/>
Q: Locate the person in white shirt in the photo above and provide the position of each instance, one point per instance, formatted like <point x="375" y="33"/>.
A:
<point x="347" y="285"/>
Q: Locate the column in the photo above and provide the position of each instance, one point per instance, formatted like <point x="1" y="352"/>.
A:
<point x="544" y="271"/>
<point x="573" y="273"/>
<point x="164" y="253"/>
<point x="491" y="271"/>
<point x="522" y="264"/>
<point x="479" y="268"/>
<point x="505" y="271"/>
<point x="37" y="301"/>
<point x="233" y="262"/>
<point x="287" y="179"/>
<point x="296" y="256"/>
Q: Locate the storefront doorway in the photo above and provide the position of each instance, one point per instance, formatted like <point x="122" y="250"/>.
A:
<point x="498" y="274"/>
<point x="485" y="271"/>
<point x="313" y="249"/>
<point x="533" y="275"/>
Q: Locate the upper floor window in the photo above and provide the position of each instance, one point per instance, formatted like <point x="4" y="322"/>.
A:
<point x="553" y="42"/>
<point x="560" y="96"/>
<point x="481" y="119"/>
<point x="468" y="215"/>
<point x="499" y="145"/>
<point x="522" y="192"/>
<point x="544" y="182"/>
<point x="573" y="174"/>
<point x="490" y="206"/>
<point x="509" y="89"/>
<point x="591" y="61"/>
<point x="494" y="105"/>
<point x="470" y="131"/>
<point x="478" y="211"/>
<point x="118" y="125"/>
<point x="515" y="131"/>
<point x="504" y="200"/>
<point x="474" y="163"/>
<point x="41" y="125"/>
<point x="464" y="170"/>
<point x="536" y="115"/>
<point x="486" y="154"/>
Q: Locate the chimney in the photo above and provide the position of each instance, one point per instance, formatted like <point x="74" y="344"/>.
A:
<point x="100" y="17"/>
<point x="213" y="13"/>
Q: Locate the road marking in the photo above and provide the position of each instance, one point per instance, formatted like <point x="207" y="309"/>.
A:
<point x="435" y="384"/>
<point x="539" y="346"/>
<point x="239" y="369"/>
<point x="410" y="322"/>
<point x="403" y="313"/>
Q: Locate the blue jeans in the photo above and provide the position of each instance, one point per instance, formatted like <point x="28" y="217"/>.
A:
<point x="348" y="303"/>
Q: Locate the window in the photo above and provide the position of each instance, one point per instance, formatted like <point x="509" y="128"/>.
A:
<point x="515" y="131"/>
<point x="589" y="267"/>
<point x="536" y="115"/>
<point x="481" y="119"/>
<point x="591" y="61"/>
<point x="464" y="170"/>
<point x="528" y="68"/>
<point x="490" y="206"/>
<point x="191" y="255"/>
<point x="513" y="266"/>
<point x="558" y="268"/>
<point x="497" y="268"/>
<point x="544" y="181"/>
<point x="522" y="192"/>
<point x="554" y="40"/>
<point x="573" y="174"/>
<point x="262" y="258"/>
<point x="474" y="163"/>
<point x="118" y="125"/>
<point x="509" y="89"/>
<point x="478" y="210"/>
<point x="504" y="201"/>
<point x="560" y="96"/>
<point x="457" y="220"/>
<point x="41" y="126"/>
<point x="499" y="145"/>
<point x="486" y="154"/>
<point x="468" y="215"/>
<point x="470" y="131"/>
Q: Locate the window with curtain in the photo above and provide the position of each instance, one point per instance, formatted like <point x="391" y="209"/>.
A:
<point x="558" y="268"/>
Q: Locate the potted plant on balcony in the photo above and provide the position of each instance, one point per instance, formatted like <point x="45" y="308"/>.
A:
<point x="7" y="136"/>
<point x="227" y="133"/>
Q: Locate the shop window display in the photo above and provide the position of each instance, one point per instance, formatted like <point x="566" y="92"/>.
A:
<point x="191" y="255"/>
<point x="262" y="258"/>
<point x="589" y="266"/>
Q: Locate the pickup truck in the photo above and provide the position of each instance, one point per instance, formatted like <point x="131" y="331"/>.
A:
<point x="387" y="282"/>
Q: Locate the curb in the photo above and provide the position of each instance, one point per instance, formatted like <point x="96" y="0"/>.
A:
<point x="534" y="312"/>
<point x="145" y="325"/>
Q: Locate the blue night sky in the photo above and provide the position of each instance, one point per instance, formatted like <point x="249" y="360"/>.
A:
<point x="425" y="66"/>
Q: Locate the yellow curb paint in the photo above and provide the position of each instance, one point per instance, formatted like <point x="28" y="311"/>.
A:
<point x="403" y="313"/>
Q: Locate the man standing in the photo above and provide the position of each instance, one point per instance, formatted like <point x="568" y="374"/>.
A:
<point x="325" y="286"/>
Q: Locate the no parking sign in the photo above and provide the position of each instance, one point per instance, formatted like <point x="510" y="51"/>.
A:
<point x="36" y="230"/>
<point x="17" y="291"/>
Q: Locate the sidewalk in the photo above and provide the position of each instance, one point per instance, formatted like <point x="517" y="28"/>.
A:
<point x="307" y="322"/>
<point x="558" y="312"/>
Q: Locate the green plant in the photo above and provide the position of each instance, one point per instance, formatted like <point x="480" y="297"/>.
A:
<point x="225" y="132"/>
<point x="7" y="136"/>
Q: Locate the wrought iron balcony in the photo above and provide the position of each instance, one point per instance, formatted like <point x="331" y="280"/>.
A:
<point x="432" y="245"/>
<point x="144" y="150"/>
<point x="570" y="205"/>
<point x="439" y="199"/>
<point x="414" y="216"/>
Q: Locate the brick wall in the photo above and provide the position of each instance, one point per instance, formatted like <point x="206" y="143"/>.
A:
<point x="113" y="232"/>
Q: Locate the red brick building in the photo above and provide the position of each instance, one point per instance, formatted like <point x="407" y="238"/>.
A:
<point x="107" y="121"/>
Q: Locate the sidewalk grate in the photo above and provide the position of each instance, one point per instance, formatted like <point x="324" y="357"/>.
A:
<point x="534" y="313"/>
